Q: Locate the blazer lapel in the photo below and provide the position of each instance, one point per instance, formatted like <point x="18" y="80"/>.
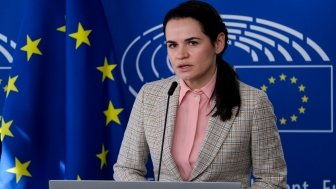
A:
<point x="167" y="157"/>
<point x="216" y="134"/>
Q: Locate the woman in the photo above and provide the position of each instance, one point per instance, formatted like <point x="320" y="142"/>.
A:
<point x="218" y="128"/>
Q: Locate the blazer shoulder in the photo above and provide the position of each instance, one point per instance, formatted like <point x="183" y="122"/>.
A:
<point x="248" y="90"/>
<point x="159" y="86"/>
<point x="252" y="96"/>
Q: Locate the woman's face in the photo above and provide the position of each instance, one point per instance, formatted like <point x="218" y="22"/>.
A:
<point x="191" y="53"/>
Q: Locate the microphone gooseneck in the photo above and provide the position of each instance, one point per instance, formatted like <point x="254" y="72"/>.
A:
<point x="170" y="92"/>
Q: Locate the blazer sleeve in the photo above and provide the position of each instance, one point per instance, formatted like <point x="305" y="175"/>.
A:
<point x="133" y="154"/>
<point x="268" y="163"/>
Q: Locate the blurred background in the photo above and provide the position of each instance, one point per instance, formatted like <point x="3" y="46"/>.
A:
<point x="285" y="48"/>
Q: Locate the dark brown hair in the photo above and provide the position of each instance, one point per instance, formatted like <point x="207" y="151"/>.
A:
<point x="226" y="93"/>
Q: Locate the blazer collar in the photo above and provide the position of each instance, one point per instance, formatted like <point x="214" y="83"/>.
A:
<point x="215" y="136"/>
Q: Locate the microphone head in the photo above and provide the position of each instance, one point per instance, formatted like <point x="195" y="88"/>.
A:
<point x="172" y="88"/>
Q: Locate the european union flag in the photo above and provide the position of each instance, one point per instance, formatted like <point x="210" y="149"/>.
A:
<point x="301" y="95"/>
<point x="63" y="117"/>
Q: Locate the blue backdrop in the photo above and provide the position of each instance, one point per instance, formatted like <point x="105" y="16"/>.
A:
<point x="284" y="47"/>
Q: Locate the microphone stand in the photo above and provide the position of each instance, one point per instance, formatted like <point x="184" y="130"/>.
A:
<point x="170" y="92"/>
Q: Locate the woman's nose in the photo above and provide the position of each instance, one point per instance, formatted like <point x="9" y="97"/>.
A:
<point x="182" y="52"/>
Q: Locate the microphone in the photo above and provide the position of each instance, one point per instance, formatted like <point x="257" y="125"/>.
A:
<point x="170" y="92"/>
<point x="172" y="89"/>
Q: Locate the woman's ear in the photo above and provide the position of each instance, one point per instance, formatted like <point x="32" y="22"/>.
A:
<point x="220" y="43"/>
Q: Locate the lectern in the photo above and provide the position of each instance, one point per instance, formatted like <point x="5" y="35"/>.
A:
<point x="99" y="184"/>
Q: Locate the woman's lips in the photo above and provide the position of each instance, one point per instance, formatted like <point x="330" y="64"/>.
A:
<point x="184" y="67"/>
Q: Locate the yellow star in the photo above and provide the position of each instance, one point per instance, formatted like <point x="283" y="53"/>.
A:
<point x="264" y="88"/>
<point x="20" y="169"/>
<point x="61" y="29"/>
<point x="271" y="80"/>
<point x="302" y="110"/>
<point x="4" y="130"/>
<point x="305" y="99"/>
<point x="31" y="47"/>
<point x="112" y="114"/>
<point x="11" y="85"/>
<point x="293" y="80"/>
<point x="102" y="157"/>
<point x="282" y="77"/>
<point x="294" y="118"/>
<point x="302" y="88"/>
<point x="107" y="69"/>
<point x="81" y="36"/>
<point x="283" y="121"/>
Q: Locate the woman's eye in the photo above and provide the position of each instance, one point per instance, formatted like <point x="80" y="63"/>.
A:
<point x="171" y="45"/>
<point x="192" y="43"/>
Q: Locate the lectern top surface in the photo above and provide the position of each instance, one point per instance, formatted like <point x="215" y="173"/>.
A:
<point x="99" y="184"/>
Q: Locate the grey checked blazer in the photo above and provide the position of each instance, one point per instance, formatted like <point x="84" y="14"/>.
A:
<point x="246" y="144"/>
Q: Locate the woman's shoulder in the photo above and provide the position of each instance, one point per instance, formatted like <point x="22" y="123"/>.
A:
<point x="250" y="91"/>
<point x="253" y="97"/>
<point x="159" y="86"/>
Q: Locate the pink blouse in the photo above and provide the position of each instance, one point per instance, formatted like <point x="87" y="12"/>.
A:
<point x="191" y="123"/>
